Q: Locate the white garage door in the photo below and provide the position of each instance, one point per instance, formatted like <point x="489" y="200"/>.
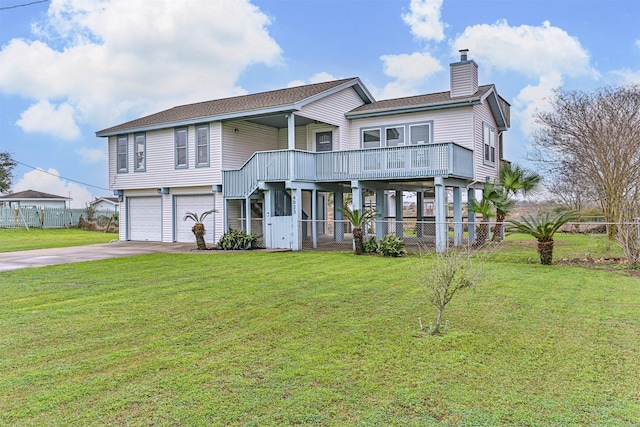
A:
<point x="197" y="205"/>
<point x="145" y="218"/>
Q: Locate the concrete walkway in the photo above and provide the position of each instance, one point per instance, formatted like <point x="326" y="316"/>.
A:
<point x="42" y="257"/>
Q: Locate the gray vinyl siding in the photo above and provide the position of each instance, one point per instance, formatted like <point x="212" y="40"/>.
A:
<point x="301" y="138"/>
<point x="464" y="79"/>
<point x="452" y="125"/>
<point x="237" y="148"/>
<point x="482" y="114"/>
<point x="160" y="164"/>
<point x="331" y="110"/>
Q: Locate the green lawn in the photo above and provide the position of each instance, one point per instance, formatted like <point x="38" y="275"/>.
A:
<point x="315" y="338"/>
<point x="36" y="238"/>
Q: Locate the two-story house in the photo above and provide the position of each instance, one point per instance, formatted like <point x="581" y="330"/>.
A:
<point x="273" y="160"/>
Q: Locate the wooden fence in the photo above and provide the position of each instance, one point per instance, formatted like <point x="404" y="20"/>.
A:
<point x="46" y="217"/>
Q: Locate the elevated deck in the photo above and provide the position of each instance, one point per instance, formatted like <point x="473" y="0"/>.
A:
<point x="447" y="160"/>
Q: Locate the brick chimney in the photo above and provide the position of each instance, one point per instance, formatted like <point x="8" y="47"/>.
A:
<point x="464" y="76"/>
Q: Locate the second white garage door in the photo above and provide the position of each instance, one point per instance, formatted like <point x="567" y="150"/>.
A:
<point x="145" y="218"/>
<point x="196" y="204"/>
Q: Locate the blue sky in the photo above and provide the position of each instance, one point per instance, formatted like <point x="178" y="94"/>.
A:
<point x="71" y="67"/>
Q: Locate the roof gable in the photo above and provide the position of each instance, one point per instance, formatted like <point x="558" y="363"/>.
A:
<point x="288" y="99"/>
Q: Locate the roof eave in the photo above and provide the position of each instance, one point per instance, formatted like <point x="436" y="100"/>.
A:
<point x="205" y="119"/>
<point x="412" y="109"/>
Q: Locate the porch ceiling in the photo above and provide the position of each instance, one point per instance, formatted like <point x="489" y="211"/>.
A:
<point x="278" y="120"/>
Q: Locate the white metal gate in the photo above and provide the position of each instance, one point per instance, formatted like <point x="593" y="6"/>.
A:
<point x="280" y="232"/>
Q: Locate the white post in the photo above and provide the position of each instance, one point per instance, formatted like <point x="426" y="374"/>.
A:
<point x="419" y="213"/>
<point x="399" y="214"/>
<point x="457" y="216"/>
<point x="338" y="227"/>
<point x="314" y="217"/>
<point x="441" y="216"/>
<point x="471" y="216"/>
<point x="381" y="209"/>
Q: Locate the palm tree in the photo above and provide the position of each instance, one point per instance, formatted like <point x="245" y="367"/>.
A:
<point x="543" y="227"/>
<point x="512" y="180"/>
<point x="358" y="219"/>
<point x="198" y="228"/>
<point x="484" y="208"/>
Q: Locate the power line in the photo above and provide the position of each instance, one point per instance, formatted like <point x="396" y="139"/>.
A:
<point x="23" y="5"/>
<point x="53" y="174"/>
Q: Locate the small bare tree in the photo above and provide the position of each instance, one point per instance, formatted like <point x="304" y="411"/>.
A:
<point x="444" y="274"/>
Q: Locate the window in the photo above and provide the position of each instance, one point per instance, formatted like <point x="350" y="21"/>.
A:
<point x="489" y="141"/>
<point x="122" y="153"/>
<point x="371" y="138"/>
<point x="181" y="148"/>
<point x="395" y="136"/>
<point x="140" y="148"/>
<point x="420" y="134"/>
<point x="202" y="145"/>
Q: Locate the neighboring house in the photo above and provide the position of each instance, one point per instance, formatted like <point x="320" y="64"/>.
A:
<point x="110" y="204"/>
<point x="267" y="161"/>
<point x="33" y="199"/>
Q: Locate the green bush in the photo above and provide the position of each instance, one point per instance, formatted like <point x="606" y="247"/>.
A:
<point x="371" y="246"/>
<point x="237" y="240"/>
<point x="391" y="246"/>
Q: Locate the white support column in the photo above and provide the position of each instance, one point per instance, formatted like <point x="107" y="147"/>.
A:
<point x="399" y="214"/>
<point x="471" y="216"/>
<point x="381" y="209"/>
<point x="291" y="132"/>
<point x="419" y="213"/>
<point x="291" y="145"/>
<point x="314" y="218"/>
<point x="225" y="217"/>
<point x="356" y="196"/>
<point x="268" y="209"/>
<point x="457" y="217"/>
<point x="338" y="227"/>
<point x="296" y="216"/>
<point x="247" y="210"/>
<point x="441" y="216"/>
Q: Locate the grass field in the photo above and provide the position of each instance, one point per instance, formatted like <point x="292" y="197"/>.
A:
<point x="317" y="338"/>
<point x="36" y="238"/>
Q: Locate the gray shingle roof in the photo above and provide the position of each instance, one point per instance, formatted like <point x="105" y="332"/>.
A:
<point x="226" y="106"/>
<point x="32" y="194"/>
<point x="428" y="100"/>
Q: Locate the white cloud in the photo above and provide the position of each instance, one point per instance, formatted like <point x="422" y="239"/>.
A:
<point x="50" y="182"/>
<point x="89" y="155"/>
<point x="531" y="51"/>
<point x="320" y="77"/>
<point x="532" y="99"/>
<point x="424" y="19"/>
<point x="409" y="72"/>
<point x="544" y="53"/>
<point x="638" y="43"/>
<point x="44" y="117"/>
<point x="116" y="58"/>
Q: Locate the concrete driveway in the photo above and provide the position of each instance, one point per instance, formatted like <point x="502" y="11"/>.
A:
<point x="42" y="257"/>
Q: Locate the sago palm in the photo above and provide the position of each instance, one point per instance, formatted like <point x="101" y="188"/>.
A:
<point x="358" y="220"/>
<point x="198" y="229"/>
<point x="543" y="227"/>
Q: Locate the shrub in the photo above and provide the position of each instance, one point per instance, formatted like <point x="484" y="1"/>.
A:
<point x="237" y="240"/>
<point x="391" y="246"/>
<point x="371" y="246"/>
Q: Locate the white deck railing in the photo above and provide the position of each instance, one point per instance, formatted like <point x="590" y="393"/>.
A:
<point x="414" y="161"/>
